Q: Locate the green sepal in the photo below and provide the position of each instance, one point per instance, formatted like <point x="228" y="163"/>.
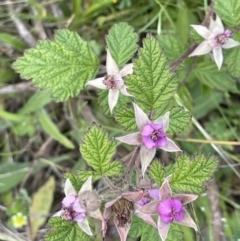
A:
<point x="63" y="65"/>
<point x="191" y="173"/>
<point x="122" y="42"/>
<point x="63" y="230"/>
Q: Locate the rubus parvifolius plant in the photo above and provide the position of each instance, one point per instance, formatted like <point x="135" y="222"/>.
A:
<point x="143" y="197"/>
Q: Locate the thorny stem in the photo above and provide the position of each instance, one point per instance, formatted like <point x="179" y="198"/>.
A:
<point x="205" y="23"/>
<point x="126" y="176"/>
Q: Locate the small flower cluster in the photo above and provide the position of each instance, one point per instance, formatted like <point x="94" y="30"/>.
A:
<point x="77" y="206"/>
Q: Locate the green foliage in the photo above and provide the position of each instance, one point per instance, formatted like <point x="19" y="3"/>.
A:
<point x="148" y="232"/>
<point x="122" y="102"/>
<point x="156" y="172"/>
<point x="190" y="174"/>
<point x="126" y="118"/>
<point x="98" y="151"/>
<point x="151" y="84"/>
<point x="232" y="58"/>
<point x="11" y="174"/>
<point x="75" y="180"/>
<point x="50" y="128"/>
<point x="122" y="42"/>
<point x="64" y="65"/>
<point x="63" y="230"/>
<point x="228" y="11"/>
<point x="220" y="80"/>
<point x="179" y="118"/>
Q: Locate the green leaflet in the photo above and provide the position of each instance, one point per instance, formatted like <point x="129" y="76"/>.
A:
<point x="190" y="174"/>
<point x="149" y="233"/>
<point x="179" y="119"/>
<point x="98" y="151"/>
<point x="228" y="11"/>
<point x="122" y="42"/>
<point x="62" y="230"/>
<point x="151" y="83"/>
<point x="156" y="172"/>
<point x="209" y="75"/>
<point x="126" y="118"/>
<point x="232" y="58"/>
<point x="75" y="180"/>
<point x="63" y="65"/>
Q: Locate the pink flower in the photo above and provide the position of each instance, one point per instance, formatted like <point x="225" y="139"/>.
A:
<point x="123" y="208"/>
<point x="215" y="38"/>
<point x="169" y="209"/>
<point x="77" y="206"/>
<point x="113" y="81"/>
<point x="151" y="136"/>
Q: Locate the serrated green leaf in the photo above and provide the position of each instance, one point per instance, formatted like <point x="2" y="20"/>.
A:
<point x="190" y="174"/>
<point x="122" y="102"/>
<point x="149" y="233"/>
<point x="98" y="151"/>
<point x="64" y="65"/>
<point x="228" y="11"/>
<point x="122" y="42"/>
<point x="171" y="45"/>
<point x="126" y="118"/>
<point x="75" y="180"/>
<point x="179" y="118"/>
<point x="63" y="230"/>
<point x="156" y="172"/>
<point x="232" y="59"/>
<point x="209" y="75"/>
<point x="50" y="128"/>
<point x="151" y="83"/>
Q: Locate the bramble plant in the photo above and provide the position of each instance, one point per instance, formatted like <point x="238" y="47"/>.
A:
<point x="139" y="91"/>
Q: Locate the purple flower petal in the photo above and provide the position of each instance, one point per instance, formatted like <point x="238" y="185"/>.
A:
<point x="161" y="142"/>
<point x="180" y="215"/>
<point x="79" y="217"/>
<point x="143" y="201"/>
<point x="147" y="130"/>
<point x="148" y="142"/>
<point x="68" y="200"/>
<point x="165" y="208"/>
<point x="164" y="120"/>
<point x="176" y="204"/>
<point x="154" y="193"/>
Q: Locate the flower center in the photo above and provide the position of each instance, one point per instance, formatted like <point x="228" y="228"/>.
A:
<point x="153" y="136"/>
<point x="156" y="134"/>
<point x="223" y="38"/>
<point x="171" y="210"/>
<point x="122" y="210"/>
<point x="109" y="82"/>
<point x="68" y="213"/>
